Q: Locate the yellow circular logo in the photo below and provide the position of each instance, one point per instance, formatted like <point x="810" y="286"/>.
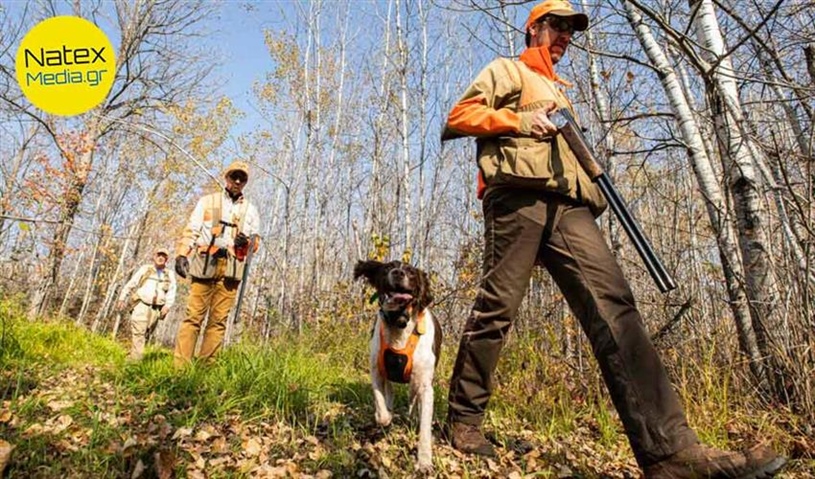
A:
<point x="65" y="65"/>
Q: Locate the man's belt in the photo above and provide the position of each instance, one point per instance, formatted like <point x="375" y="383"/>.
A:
<point x="213" y="251"/>
<point x="152" y="306"/>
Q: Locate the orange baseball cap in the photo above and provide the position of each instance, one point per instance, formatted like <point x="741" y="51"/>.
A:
<point x="560" y="8"/>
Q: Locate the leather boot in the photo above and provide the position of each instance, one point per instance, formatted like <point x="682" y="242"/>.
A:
<point x="702" y="462"/>
<point x="469" y="439"/>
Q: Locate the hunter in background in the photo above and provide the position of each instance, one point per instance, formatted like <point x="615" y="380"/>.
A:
<point x="149" y="295"/>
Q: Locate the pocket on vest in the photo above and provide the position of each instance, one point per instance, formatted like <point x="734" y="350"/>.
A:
<point x="203" y="266"/>
<point x="525" y="162"/>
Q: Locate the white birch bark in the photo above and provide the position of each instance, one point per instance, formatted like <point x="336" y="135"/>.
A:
<point x="114" y="281"/>
<point x="404" y="195"/>
<point x="423" y="222"/>
<point x="709" y="186"/>
<point x="374" y="223"/>
<point x="91" y="266"/>
<point x="743" y="181"/>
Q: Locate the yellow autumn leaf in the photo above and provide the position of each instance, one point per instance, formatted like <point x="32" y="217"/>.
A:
<point x="59" y="405"/>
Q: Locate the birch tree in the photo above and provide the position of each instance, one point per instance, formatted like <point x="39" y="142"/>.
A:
<point x="743" y="179"/>
<point x="714" y="197"/>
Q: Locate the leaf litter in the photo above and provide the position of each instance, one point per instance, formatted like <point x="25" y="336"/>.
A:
<point x="74" y="403"/>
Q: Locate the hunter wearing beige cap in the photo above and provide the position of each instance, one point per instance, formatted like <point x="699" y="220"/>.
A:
<point x="150" y="293"/>
<point x="212" y="251"/>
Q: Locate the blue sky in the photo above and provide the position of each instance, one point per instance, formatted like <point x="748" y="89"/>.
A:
<point x="239" y="42"/>
<point x="235" y="39"/>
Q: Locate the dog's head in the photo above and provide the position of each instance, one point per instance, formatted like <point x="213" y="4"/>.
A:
<point x="401" y="288"/>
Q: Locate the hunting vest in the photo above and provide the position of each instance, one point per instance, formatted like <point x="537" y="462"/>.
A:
<point x="152" y="288"/>
<point x="527" y="162"/>
<point x="213" y="256"/>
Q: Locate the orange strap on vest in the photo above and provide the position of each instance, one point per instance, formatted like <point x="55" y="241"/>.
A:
<point x="408" y="350"/>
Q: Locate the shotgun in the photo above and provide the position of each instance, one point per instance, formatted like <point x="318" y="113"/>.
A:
<point x="247" y="262"/>
<point x="573" y="134"/>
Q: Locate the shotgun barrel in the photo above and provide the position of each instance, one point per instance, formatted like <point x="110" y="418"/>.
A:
<point x="572" y="133"/>
<point x="247" y="262"/>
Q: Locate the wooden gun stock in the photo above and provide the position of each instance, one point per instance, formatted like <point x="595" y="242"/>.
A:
<point x="568" y="127"/>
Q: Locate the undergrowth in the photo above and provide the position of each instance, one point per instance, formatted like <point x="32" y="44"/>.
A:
<point x="73" y="406"/>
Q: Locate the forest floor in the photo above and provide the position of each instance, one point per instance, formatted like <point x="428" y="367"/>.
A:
<point x="72" y="406"/>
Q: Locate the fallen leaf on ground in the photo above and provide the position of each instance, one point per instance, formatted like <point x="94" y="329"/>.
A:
<point x="138" y="470"/>
<point x="5" y="454"/>
<point x="60" y="423"/>
<point x="165" y="463"/>
<point x="251" y="447"/>
<point x="182" y="432"/>
<point x="57" y="406"/>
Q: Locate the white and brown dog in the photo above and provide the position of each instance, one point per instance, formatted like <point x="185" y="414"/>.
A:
<point x="405" y="344"/>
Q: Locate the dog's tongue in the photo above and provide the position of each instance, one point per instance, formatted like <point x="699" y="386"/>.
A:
<point x="400" y="297"/>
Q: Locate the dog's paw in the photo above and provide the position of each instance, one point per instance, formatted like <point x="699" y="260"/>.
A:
<point x="384" y="418"/>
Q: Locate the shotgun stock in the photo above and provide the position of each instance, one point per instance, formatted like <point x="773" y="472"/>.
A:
<point x="568" y="127"/>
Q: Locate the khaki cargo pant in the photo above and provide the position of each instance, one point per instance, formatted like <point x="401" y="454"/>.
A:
<point x="143" y="321"/>
<point x="217" y="296"/>
<point x="523" y="228"/>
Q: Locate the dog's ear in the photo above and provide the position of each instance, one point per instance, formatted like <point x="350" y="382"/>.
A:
<point x="369" y="269"/>
<point x="425" y="297"/>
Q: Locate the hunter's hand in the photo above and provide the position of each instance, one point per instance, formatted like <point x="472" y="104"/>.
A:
<point x="182" y="265"/>
<point x="542" y="126"/>
<point x="164" y="310"/>
<point x="241" y="240"/>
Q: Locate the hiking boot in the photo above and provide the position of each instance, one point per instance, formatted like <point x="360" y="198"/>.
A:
<point x="701" y="462"/>
<point x="469" y="439"/>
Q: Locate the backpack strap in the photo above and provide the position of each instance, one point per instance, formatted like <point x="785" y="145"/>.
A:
<point x="244" y="207"/>
<point x="145" y="276"/>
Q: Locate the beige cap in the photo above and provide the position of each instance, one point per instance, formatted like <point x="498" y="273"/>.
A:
<point x="237" y="165"/>
<point x="163" y="251"/>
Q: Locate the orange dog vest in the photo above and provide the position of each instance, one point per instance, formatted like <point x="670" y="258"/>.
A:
<point x="397" y="364"/>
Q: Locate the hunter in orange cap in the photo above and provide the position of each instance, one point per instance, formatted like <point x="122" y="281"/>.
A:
<point x="539" y="209"/>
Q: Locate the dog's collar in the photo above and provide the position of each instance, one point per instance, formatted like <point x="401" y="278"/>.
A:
<point x="389" y="316"/>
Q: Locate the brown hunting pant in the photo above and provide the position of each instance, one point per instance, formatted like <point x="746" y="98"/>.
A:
<point x="523" y="228"/>
<point x="216" y="296"/>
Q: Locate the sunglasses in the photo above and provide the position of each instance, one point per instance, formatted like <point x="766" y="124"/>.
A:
<point x="238" y="176"/>
<point x="559" y="24"/>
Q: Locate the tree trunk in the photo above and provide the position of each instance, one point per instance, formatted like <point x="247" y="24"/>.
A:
<point x="709" y="186"/>
<point x="744" y="185"/>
